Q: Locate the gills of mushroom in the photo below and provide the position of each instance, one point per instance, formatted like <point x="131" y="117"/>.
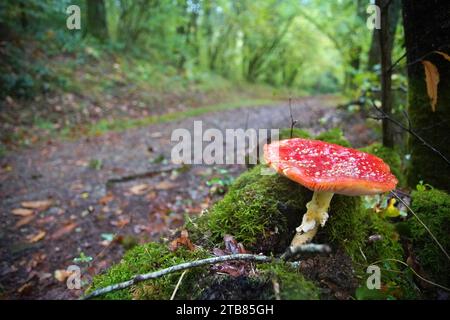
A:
<point x="326" y="169"/>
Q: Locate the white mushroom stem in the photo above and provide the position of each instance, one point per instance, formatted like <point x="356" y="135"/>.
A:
<point x="315" y="215"/>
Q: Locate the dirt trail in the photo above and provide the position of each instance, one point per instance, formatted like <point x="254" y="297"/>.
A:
<point x="87" y="211"/>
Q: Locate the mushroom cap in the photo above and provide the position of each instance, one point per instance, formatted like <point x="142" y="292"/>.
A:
<point x="327" y="167"/>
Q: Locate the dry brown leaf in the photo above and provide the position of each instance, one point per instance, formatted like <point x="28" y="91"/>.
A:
<point x="22" y="212"/>
<point x="38" y="205"/>
<point x="139" y="189"/>
<point x="63" y="230"/>
<point x="165" y="185"/>
<point x="121" y="222"/>
<point x="432" y="80"/>
<point x="182" y="241"/>
<point x="25" y="289"/>
<point x="36" y="237"/>
<point x="105" y="199"/>
<point x="23" y="221"/>
<point x="446" y="56"/>
<point x="61" y="275"/>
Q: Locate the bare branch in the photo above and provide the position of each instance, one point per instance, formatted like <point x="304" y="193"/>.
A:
<point x="179" y="267"/>
<point x="293" y="122"/>
<point x="384" y="115"/>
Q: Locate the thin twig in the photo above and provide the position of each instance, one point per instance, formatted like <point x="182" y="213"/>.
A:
<point x="178" y="285"/>
<point x="384" y="115"/>
<point x="309" y="247"/>
<point x="293" y="122"/>
<point x="141" y="175"/>
<point x="179" y="267"/>
<point x="423" y="224"/>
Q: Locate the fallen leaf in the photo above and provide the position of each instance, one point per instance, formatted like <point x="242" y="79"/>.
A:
<point x="25" y="289"/>
<point x="22" y="212"/>
<point x="36" y="237"/>
<point x="23" y="221"/>
<point x="63" y="230"/>
<point x="139" y="189"/>
<point x="61" y="275"/>
<point x="105" y="199"/>
<point x="38" y="205"/>
<point x="182" y="241"/>
<point x="229" y="268"/>
<point x="121" y="222"/>
<point x="232" y="246"/>
<point x="446" y="56"/>
<point x="432" y="81"/>
<point x="165" y="185"/>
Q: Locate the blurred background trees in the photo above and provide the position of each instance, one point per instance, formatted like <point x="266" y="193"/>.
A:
<point x="314" y="45"/>
<point x="154" y="47"/>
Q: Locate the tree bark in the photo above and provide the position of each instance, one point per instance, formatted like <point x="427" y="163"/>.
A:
<point x="386" y="41"/>
<point x="427" y="28"/>
<point x="374" y="51"/>
<point x="96" y="19"/>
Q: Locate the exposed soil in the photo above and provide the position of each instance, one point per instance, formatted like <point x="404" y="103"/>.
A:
<point x="122" y="186"/>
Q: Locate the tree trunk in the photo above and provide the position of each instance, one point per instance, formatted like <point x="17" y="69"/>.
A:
<point x="96" y="19"/>
<point x="386" y="40"/>
<point x="427" y="28"/>
<point x="374" y="52"/>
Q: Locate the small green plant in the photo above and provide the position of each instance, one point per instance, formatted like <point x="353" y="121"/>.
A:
<point x="83" y="258"/>
<point x="96" y="164"/>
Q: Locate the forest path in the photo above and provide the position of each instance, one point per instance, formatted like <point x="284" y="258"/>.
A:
<point x="90" y="206"/>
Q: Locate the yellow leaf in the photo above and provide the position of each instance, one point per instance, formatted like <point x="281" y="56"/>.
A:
<point x="446" y="56"/>
<point x="432" y="80"/>
<point x="37" y="237"/>
<point x="61" y="275"/>
<point x="39" y="205"/>
<point x="22" y="212"/>
<point x="139" y="189"/>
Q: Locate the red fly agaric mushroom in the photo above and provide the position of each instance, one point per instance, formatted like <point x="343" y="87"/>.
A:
<point x="326" y="169"/>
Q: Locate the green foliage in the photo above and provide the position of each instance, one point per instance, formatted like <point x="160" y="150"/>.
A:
<point x="293" y="285"/>
<point x="335" y="136"/>
<point x="433" y="208"/>
<point x="147" y="258"/>
<point x="285" y="133"/>
<point x="391" y="157"/>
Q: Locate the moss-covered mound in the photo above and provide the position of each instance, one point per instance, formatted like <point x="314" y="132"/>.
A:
<point x="262" y="211"/>
<point x="433" y="208"/>
<point x="289" y="282"/>
<point x="152" y="257"/>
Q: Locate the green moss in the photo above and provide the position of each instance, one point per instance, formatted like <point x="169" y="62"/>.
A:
<point x="261" y="211"/>
<point x="293" y="285"/>
<point x="425" y="164"/>
<point x="152" y="257"/>
<point x="433" y="208"/>
<point x="335" y="136"/>
<point x="391" y="157"/>
<point x="285" y="133"/>
<point x="346" y="226"/>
